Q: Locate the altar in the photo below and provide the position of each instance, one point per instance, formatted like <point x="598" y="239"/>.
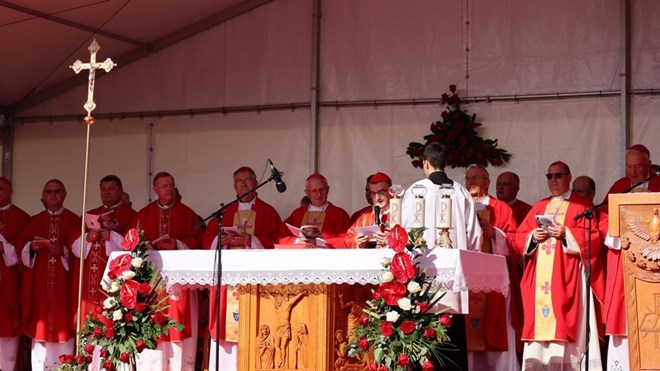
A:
<point x="308" y="300"/>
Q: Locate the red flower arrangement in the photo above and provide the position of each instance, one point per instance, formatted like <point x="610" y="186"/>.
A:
<point x="457" y="131"/>
<point x="133" y="316"/>
<point x="397" y="324"/>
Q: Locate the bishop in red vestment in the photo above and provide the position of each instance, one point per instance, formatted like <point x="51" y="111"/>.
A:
<point x="379" y="196"/>
<point x="494" y="323"/>
<point x="249" y="223"/>
<point x="12" y="221"/>
<point x="553" y="283"/>
<point x="170" y="225"/>
<point x="116" y="217"/>
<point x="638" y="168"/>
<point x="332" y="221"/>
<point x="47" y="311"/>
<point x="508" y="185"/>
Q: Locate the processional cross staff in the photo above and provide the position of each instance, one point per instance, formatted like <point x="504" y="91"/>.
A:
<point x="92" y="66"/>
<point x="89" y="106"/>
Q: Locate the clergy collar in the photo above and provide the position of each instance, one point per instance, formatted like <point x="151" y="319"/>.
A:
<point x="440" y="177"/>
<point x="510" y="203"/>
<point x="6" y="207"/>
<point x="247" y="205"/>
<point x="165" y="207"/>
<point x="113" y="206"/>
<point x="566" y="195"/>
<point x="485" y="200"/>
<point x="318" y="208"/>
<point x="56" y="212"/>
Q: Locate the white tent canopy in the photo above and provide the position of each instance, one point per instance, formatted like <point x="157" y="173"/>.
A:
<point x="244" y="89"/>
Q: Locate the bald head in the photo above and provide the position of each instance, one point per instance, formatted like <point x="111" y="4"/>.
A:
<point x="585" y="187"/>
<point x="507" y="186"/>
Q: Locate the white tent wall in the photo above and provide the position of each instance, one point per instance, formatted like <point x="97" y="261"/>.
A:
<point x="370" y="50"/>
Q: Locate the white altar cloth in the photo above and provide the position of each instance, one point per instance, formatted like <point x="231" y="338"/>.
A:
<point x="458" y="270"/>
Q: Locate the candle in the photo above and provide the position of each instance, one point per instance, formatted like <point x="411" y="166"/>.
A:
<point x="395" y="211"/>
<point x="418" y="207"/>
<point x="444" y="211"/>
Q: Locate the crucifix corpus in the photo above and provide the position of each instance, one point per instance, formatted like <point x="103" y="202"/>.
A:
<point x="92" y="66"/>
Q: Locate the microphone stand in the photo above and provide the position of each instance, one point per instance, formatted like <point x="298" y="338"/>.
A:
<point x="218" y="258"/>
<point x="589" y="215"/>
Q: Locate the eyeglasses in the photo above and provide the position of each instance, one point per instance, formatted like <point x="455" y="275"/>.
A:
<point x="550" y="176"/>
<point x="51" y="191"/>
<point x="320" y="190"/>
<point x="379" y="193"/>
<point x="244" y="181"/>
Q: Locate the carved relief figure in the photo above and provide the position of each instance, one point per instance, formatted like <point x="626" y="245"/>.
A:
<point x="283" y="304"/>
<point x="353" y="315"/>
<point x="301" y="347"/>
<point x="341" y="352"/>
<point x="265" y="348"/>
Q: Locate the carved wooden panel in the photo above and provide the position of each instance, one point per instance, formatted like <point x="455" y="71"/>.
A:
<point x="299" y="327"/>
<point x="640" y="250"/>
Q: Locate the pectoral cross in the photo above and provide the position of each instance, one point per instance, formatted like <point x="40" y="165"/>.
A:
<point x="92" y="66"/>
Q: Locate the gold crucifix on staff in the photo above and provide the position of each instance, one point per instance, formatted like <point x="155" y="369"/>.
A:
<point x="92" y="66"/>
<point x="89" y="106"/>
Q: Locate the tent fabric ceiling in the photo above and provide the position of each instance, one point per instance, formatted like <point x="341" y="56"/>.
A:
<point x="43" y="37"/>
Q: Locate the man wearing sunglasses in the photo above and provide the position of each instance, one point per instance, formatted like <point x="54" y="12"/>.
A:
<point x="553" y="284"/>
<point x="638" y="169"/>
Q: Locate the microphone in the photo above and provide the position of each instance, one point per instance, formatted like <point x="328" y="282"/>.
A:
<point x="377" y="213"/>
<point x="281" y="187"/>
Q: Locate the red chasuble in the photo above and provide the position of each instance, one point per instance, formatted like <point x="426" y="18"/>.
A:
<point x="12" y="221"/>
<point x="492" y="321"/>
<point x="335" y="225"/>
<point x="267" y="224"/>
<point x="46" y="290"/>
<point x="562" y="290"/>
<point x="96" y="260"/>
<point x="176" y="221"/>
<point x="615" y="299"/>
<point x="520" y="210"/>
<point x="365" y="218"/>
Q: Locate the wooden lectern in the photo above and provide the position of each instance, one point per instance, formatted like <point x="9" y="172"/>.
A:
<point x="635" y="218"/>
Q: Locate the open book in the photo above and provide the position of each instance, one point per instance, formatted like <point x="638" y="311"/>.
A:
<point x="545" y="221"/>
<point x="305" y="231"/>
<point x="106" y="220"/>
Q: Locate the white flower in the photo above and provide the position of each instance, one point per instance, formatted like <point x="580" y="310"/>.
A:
<point x="387" y="277"/>
<point x="385" y="261"/>
<point x="404" y="303"/>
<point x="109" y="303"/>
<point x="414" y="287"/>
<point x="116" y="315"/>
<point x="127" y="275"/>
<point x="392" y="316"/>
<point x="136" y="262"/>
<point x="114" y="287"/>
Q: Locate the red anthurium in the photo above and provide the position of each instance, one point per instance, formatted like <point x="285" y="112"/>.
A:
<point x="392" y="292"/>
<point x="131" y="240"/>
<point x="402" y="267"/>
<point x="119" y="264"/>
<point x="128" y="293"/>
<point x="398" y="238"/>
